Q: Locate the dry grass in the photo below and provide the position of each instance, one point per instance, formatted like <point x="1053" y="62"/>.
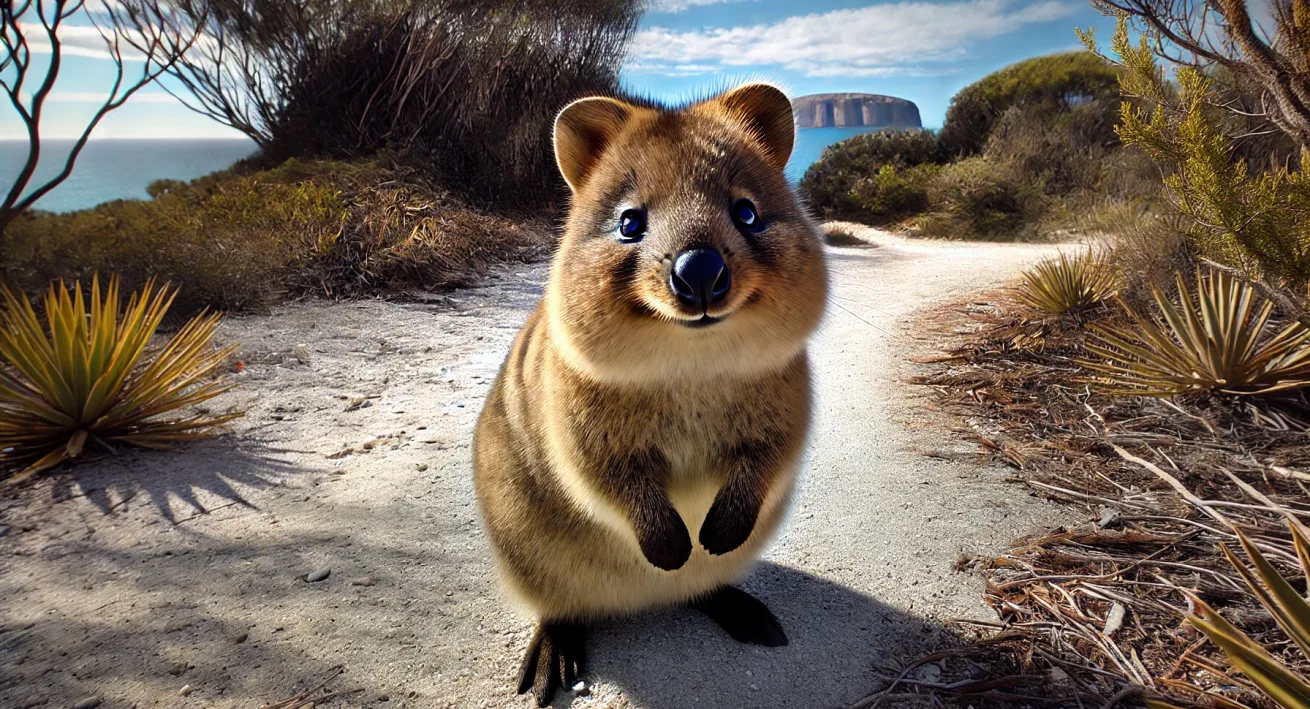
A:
<point x="1097" y="610"/>
<point x="243" y="240"/>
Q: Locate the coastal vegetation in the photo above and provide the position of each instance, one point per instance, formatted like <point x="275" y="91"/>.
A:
<point x="403" y="145"/>
<point x="247" y="238"/>
<point x="1025" y="153"/>
<point x="1042" y="87"/>
<point x="1177" y="410"/>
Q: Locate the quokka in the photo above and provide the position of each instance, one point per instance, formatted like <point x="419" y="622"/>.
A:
<point x="640" y="444"/>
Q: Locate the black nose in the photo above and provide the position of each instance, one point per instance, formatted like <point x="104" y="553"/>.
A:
<point x="700" y="278"/>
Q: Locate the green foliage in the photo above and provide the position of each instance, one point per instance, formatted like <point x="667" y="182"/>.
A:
<point x="1258" y="223"/>
<point x="850" y="180"/>
<point x="975" y="198"/>
<point x="235" y="241"/>
<point x="1045" y="85"/>
<point x="1215" y="343"/>
<point x="1065" y="285"/>
<point x="1048" y="155"/>
<point x="88" y="378"/>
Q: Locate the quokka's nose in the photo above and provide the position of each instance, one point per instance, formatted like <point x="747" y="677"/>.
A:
<point x="700" y="278"/>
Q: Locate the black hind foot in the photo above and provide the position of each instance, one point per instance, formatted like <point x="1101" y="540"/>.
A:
<point x="556" y="658"/>
<point x="744" y="616"/>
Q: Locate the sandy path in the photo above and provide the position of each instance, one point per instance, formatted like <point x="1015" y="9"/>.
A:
<point x="153" y="572"/>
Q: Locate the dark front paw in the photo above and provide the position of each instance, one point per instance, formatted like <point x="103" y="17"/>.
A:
<point x="664" y="540"/>
<point x="727" y="525"/>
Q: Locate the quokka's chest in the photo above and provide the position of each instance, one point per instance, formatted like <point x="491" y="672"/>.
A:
<point x="690" y="424"/>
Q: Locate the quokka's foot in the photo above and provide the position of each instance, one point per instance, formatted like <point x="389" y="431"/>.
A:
<point x="556" y="657"/>
<point x="744" y="616"/>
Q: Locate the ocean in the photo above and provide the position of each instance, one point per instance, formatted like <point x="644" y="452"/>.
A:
<point x="121" y="169"/>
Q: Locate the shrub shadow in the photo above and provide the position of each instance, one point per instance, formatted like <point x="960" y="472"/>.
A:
<point x="201" y="476"/>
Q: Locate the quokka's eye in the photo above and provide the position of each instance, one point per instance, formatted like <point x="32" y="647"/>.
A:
<point x="632" y="225"/>
<point x="745" y="216"/>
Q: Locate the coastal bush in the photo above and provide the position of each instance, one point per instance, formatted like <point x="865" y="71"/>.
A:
<point x="1251" y="220"/>
<point x="238" y="240"/>
<point x="1046" y="86"/>
<point x="467" y="90"/>
<point x="975" y="198"/>
<point x="86" y="376"/>
<point x="869" y="177"/>
<point x="1047" y="155"/>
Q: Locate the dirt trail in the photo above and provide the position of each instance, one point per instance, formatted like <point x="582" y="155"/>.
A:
<point x="150" y="573"/>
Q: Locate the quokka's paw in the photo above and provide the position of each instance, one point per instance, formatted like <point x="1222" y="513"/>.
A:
<point x="556" y="658"/>
<point x="664" y="540"/>
<point x="744" y="616"/>
<point x="726" y="527"/>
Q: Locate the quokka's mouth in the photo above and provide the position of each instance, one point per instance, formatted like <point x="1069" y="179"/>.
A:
<point x="702" y="321"/>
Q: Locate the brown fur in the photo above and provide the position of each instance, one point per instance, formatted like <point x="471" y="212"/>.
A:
<point x="624" y="460"/>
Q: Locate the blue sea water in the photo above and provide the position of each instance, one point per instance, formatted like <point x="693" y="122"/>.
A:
<point x="121" y="169"/>
<point x="118" y="169"/>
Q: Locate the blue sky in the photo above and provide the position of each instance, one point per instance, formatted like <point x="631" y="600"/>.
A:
<point x="922" y="51"/>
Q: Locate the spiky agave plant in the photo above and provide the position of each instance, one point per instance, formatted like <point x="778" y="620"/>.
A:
<point x="1067" y="284"/>
<point x="1213" y="342"/>
<point x="1286" y="687"/>
<point x="87" y="377"/>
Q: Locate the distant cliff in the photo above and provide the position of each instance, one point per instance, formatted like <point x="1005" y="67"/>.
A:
<point x="836" y="110"/>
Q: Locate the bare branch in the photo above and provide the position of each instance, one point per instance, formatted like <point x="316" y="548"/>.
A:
<point x="163" y="48"/>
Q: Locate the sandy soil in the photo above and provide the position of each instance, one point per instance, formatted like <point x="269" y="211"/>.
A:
<point x="179" y="579"/>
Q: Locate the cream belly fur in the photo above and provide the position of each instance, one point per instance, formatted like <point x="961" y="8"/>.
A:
<point x="635" y="585"/>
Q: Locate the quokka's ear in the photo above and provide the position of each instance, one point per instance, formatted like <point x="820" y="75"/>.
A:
<point x="582" y="131"/>
<point x="766" y="110"/>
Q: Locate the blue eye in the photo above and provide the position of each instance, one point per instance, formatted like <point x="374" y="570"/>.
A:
<point x="744" y="214"/>
<point x="632" y="225"/>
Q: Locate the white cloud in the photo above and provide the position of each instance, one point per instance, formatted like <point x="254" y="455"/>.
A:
<point x="880" y="40"/>
<point x="76" y="41"/>
<point x="682" y="5"/>
<point x="97" y="97"/>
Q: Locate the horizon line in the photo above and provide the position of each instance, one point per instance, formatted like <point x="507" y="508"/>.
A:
<point x="106" y="139"/>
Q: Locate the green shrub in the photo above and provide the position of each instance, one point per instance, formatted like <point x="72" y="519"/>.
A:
<point x="1045" y="154"/>
<point x="1043" y="85"/>
<point x="235" y="241"/>
<point x="863" y="178"/>
<point x="1253" y="221"/>
<point x="975" y="198"/>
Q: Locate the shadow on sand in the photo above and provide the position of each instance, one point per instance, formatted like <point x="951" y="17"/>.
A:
<point x="839" y="640"/>
<point x="212" y="470"/>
